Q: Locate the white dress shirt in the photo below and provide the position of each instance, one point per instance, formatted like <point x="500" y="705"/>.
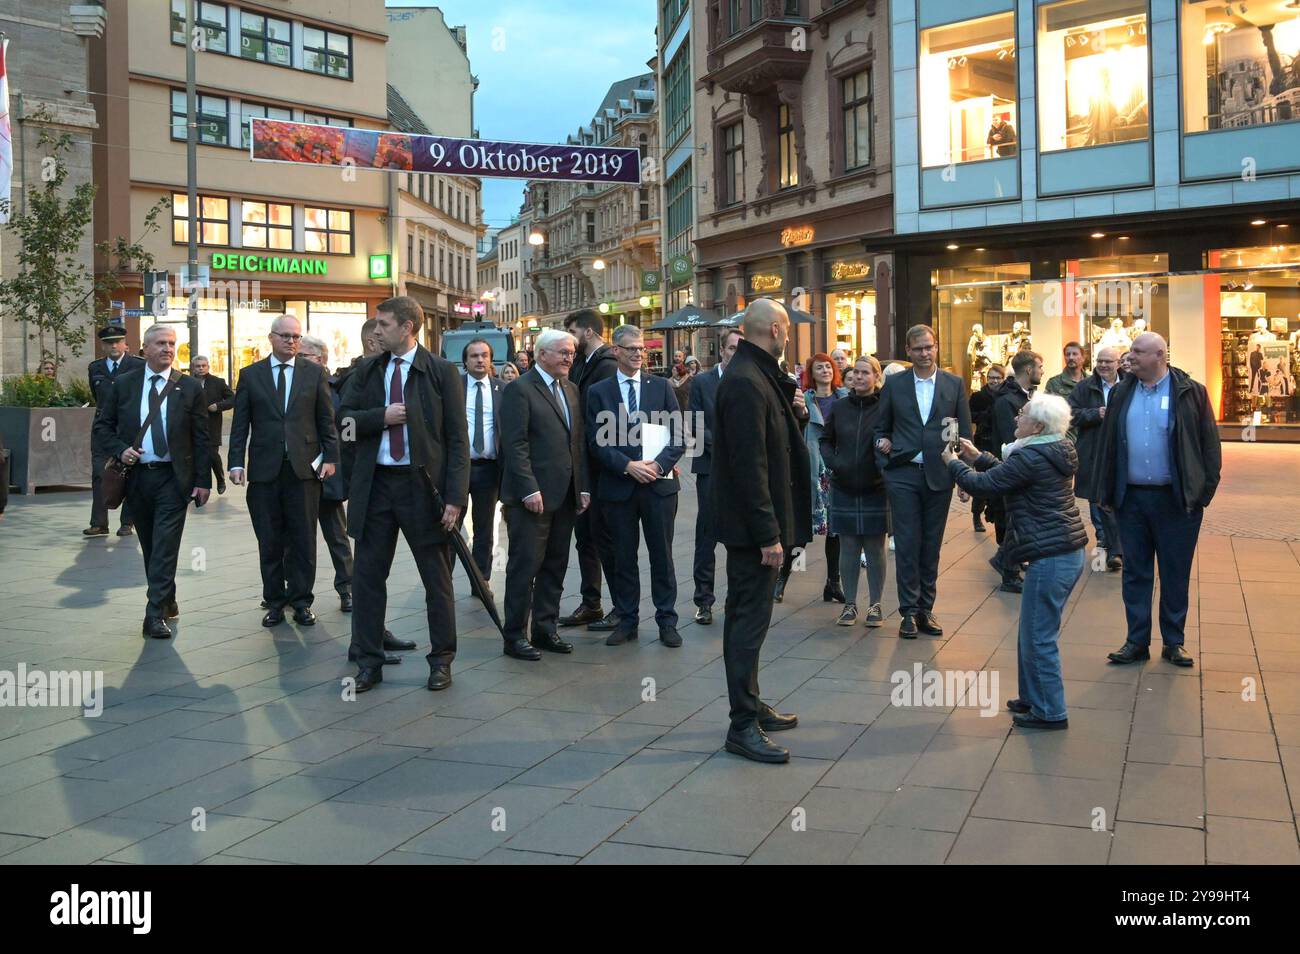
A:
<point x="147" y="455"/>
<point x="288" y="377"/>
<point x="925" y="401"/>
<point x="489" y="417"/>
<point x="385" y="453"/>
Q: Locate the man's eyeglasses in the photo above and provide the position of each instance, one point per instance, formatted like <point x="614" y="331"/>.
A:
<point x="285" y="336"/>
<point x="564" y="355"/>
<point x="636" y="350"/>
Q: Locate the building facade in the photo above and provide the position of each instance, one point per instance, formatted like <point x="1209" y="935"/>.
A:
<point x="499" y="279"/>
<point x="676" y="159"/>
<point x="274" y="239"/>
<point x="1086" y="170"/>
<point x="796" y="174"/>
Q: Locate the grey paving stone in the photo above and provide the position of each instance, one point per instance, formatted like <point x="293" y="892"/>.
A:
<point x="487" y="823"/>
<point x="612" y="853"/>
<point x="1163" y="795"/>
<point x="267" y="725"/>
<point x="985" y="841"/>
<point x="933" y="809"/>
<point x="570" y="768"/>
<point x="50" y="807"/>
<point x="1137" y="844"/>
<point x="1047" y="799"/>
<point x="182" y="845"/>
<point x="1250" y="841"/>
<point x="725" y="774"/>
<point x="86" y="843"/>
<point x="955" y="761"/>
<point x="336" y="832"/>
<point x="842" y="809"/>
<point x="429" y="785"/>
<point x="285" y="798"/>
<point x="12" y="843"/>
<point x="318" y="746"/>
<point x="619" y="737"/>
<point x="1243" y="789"/>
<point x="570" y="830"/>
<point x="169" y="762"/>
<point x="810" y="847"/>
<point x="507" y="856"/>
<point x="1161" y="749"/>
<point x="208" y="791"/>
<point x="363" y="762"/>
<point x="1232" y="744"/>
<point x="884" y="845"/>
<point x="1059" y="753"/>
<point x="428" y="731"/>
<point x="37" y="768"/>
<point x="732" y="825"/>
<point x="639" y="780"/>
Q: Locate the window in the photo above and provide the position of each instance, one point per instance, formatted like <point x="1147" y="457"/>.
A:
<point x="643" y="205"/>
<point x="213" y="219"/>
<point x="968" y="91"/>
<point x="590" y="219"/>
<point x="212" y="17"/>
<point x="321" y="119"/>
<point x="855" y="93"/>
<point x="440" y="193"/>
<point x="267" y="225"/>
<point x="248" y="110"/>
<point x="679" y="202"/>
<point x="788" y="148"/>
<point x="732" y="187"/>
<point x="1240" y="71"/>
<point x="410" y="252"/>
<point x="733" y="17"/>
<point x="326" y="52"/>
<point x="677" y="101"/>
<point x="1093" y="68"/>
<point x="212" y="114"/>
<point x="328" y="231"/>
<point x="673" y="10"/>
<point x="265" y="39"/>
<point x="441" y="272"/>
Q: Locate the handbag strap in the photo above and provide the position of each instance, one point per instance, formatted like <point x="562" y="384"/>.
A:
<point x="172" y="380"/>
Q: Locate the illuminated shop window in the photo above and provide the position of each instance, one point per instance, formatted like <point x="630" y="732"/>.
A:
<point x="968" y="91"/>
<point x="1241" y="64"/>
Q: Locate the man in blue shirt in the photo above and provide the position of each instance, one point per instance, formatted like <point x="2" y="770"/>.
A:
<point x="1157" y="467"/>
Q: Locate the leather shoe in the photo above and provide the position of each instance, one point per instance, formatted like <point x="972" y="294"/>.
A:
<point x="833" y="592"/>
<point x="669" y="636"/>
<point x="907" y="628"/>
<point x="221" y="487"/>
<point x="779" y="595"/>
<point x="522" y="649"/>
<point x="274" y="617"/>
<point x="621" y="636"/>
<point x="125" y="530"/>
<point x="95" y="532"/>
<point x="389" y="658"/>
<point x="368" y="678"/>
<point x="171" y="610"/>
<point x="157" y="629"/>
<point x="1177" y="656"/>
<point x="606" y="624"/>
<point x="1114" y="563"/>
<point x="303" y="616"/>
<point x="393" y="644"/>
<point x="1018" y="707"/>
<point x="439" y="678"/>
<point x="583" y="614"/>
<point x="753" y="744"/>
<point x="1033" y="722"/>
<point x="552" y="644"/>
<point x="1129" y="652"/>
<point x="345" y="602"/>
<point x="704" y="615"/>
<point x="927" y="624"/>
<point x="769" y="720"/>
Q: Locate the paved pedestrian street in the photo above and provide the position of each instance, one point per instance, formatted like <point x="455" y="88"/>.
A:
<point x="614" y="754"/>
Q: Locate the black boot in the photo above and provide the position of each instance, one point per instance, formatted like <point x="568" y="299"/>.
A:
<point x="779" y="595"/>
<point x="833" y="592"/>
<point x="979" y="524"/>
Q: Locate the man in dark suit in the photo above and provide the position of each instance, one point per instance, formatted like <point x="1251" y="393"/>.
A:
<point x="101" y="374"/>
<point x="704" y="392"/>
<point x="635" y="493"/>
<point x="544" y="488"/>
<point x="168" y="468"/>
<point x="482" y="398"/>
<point x="405" y="409"/>
<point x="762" y="496"/>
<point x="286" y="404"/>
<point x="1025" y="377"/>
<point x="1088" y="403"/>
<point x="595" y="362"/>
<point x="218" y="399"/>
<point x="922" y="411"/>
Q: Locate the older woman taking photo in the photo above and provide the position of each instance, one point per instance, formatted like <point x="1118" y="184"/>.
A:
<point x="859" y="506"/>
<point x="1036" y="479"/>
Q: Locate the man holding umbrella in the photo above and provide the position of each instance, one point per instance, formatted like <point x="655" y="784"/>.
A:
<point x="411" y="473"/>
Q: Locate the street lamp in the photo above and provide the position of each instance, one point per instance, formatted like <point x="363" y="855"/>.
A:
<point x="535" y="237"/>
<point x="598" y="264"/>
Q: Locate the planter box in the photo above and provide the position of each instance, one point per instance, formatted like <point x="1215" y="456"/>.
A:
<point x="48" y="446"/>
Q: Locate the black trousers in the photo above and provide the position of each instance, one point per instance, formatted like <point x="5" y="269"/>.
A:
<point x="214" y="452"/>
<point x="832" y="560"/>
<point x="98" y="511"/>
<point x="484" y="492"/>
<point x="285" y="512"/>
<point x="744" y="628"/>
<point x="159" y="506"/>
<point x="920" y="516"/>
<point x="399" y="501"/>
<point x="539" y="558"/>
<point x="653" y="515"/>
<point x="1156" y="532"/>
<point x="334" y="528"/>
<point x="595" y="551"/>
<point x="706" y="542"/>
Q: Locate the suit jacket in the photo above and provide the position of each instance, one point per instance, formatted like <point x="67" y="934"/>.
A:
<point x="900" y="421"/>
<point x="611" y="445"/>
<point x="761" y="484"/>
<point x="704" y="396"/>
<point x="435" y="426"/>
<point x="306" y="427"/>
<point x="118" y="422"/>
<point x="494" y="385"/>
<point x="539" y="453"/>
<point x="101" y="380"/>
<point x="216" y="391"/>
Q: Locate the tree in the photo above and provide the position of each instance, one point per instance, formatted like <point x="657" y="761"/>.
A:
<point x="52" y="286"/>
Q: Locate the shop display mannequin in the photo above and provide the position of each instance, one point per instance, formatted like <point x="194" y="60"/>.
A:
<point x="1116" y="336"/>
<point x="1019" y="340"/>
<point x="1261" y="333"/>
<point x="977" y="352"/>
<point x="1138" y="327"/>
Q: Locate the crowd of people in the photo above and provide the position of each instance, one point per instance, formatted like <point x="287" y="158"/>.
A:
<point x="567" y="441"/>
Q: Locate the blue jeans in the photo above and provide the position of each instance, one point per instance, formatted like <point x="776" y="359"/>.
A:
<point x="1048" y="583"/>
<point x="1106" y="528"/>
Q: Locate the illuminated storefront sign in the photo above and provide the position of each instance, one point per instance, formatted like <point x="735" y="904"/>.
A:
<point x="849" y="271"/>
<point x="800" y="235"/>
<point x="226" y="261"/>
<point x="765" y="282"/>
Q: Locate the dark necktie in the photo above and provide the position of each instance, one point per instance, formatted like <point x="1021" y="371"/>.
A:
<point x="631" y="396"/>
<point x="112" y="368"/>
<point x="559" y="399"/>
<point x="631" y="413"/>
<point x="281" y="388"/>
<point x="396" y="441"/>
<point x="478" y="419"/>
<point x="156" y="429"/>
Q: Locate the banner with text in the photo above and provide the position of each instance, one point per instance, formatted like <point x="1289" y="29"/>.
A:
<point x="275" y="140"/>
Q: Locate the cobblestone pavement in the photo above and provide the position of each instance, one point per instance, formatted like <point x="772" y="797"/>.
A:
<point x="568" y="760"/>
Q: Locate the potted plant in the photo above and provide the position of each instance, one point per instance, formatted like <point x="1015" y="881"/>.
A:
<point x="46" y="426"/>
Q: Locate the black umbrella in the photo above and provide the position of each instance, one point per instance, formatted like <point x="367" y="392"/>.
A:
<point x="691" y="316"/>
<point x="477" y="584"/>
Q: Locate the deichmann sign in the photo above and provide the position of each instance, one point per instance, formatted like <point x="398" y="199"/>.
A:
<point x="224" y="261"/>
<point x="275" y="140"/>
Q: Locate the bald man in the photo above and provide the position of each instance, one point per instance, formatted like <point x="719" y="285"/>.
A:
<point x="1157" y="467"/>
<point x="287" y="406"/>
<point x="762" y="499"/>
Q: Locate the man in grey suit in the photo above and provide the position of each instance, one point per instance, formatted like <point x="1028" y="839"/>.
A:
<point x="922" y="411"/>
<point x="482" y="400"/>
<point x="704" y="394"/>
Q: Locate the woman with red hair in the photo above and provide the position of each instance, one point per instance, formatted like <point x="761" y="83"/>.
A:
<point x="822" y="388"/>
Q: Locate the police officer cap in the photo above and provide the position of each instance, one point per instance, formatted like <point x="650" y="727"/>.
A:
<point x="112" y="333"/>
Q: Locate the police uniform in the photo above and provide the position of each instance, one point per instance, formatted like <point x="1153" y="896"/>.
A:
<point x="102" y="373"/>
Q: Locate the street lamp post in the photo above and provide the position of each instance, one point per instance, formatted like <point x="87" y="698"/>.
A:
<point x="191" y="179"/>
